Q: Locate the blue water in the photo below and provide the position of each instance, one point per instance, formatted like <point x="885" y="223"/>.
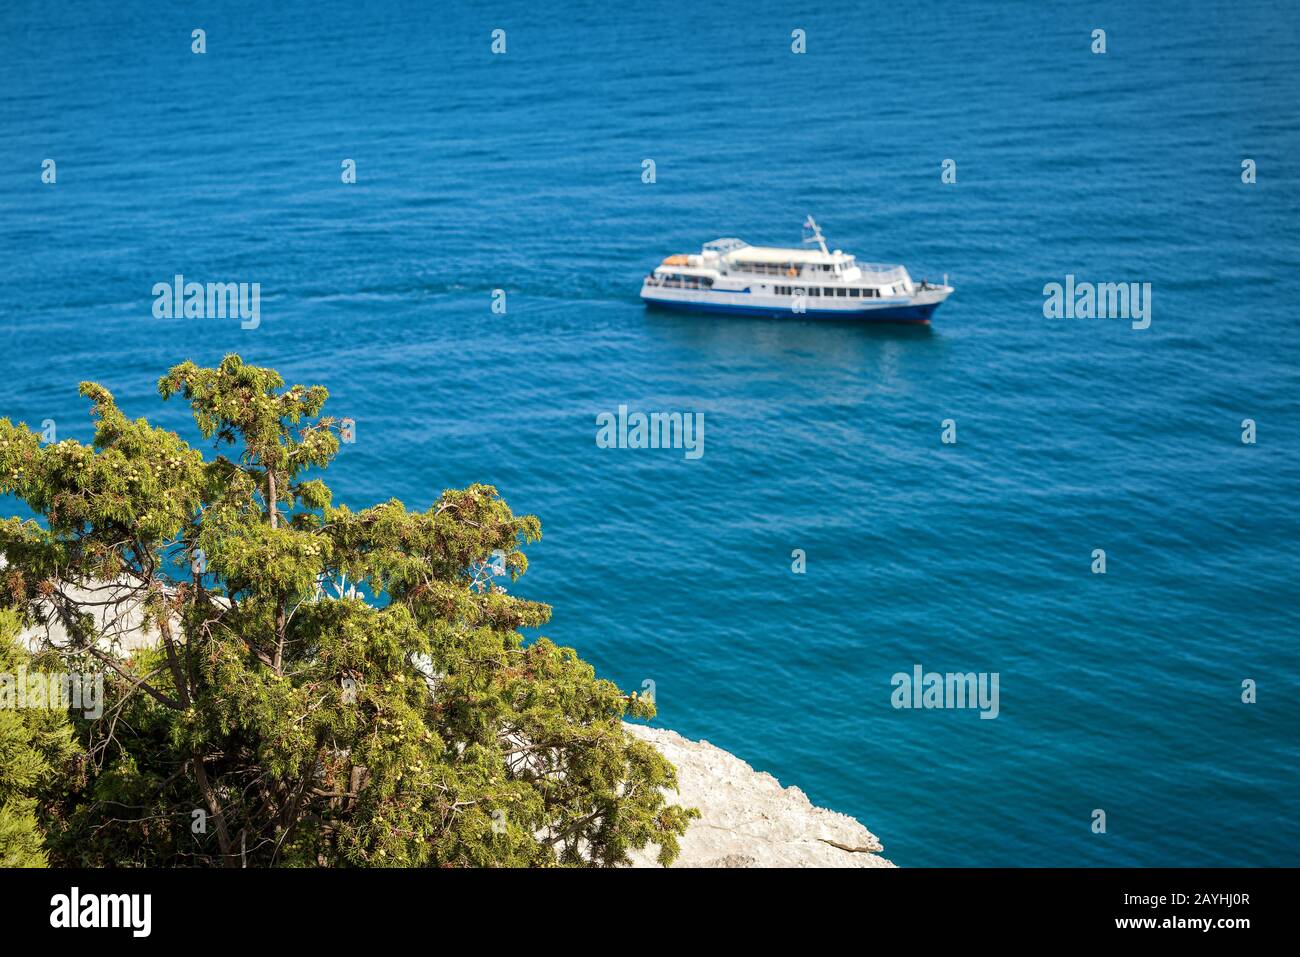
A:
<point x="523" y="172"/>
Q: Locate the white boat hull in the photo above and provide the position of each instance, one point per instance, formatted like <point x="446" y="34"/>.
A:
<point x="917" y="307"/>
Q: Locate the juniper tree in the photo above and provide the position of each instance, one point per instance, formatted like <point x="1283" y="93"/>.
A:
<point x="321" y="686"/>
<point x="37" y="754"/>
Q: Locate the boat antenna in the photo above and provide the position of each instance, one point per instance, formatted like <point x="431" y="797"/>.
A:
<point x="816" y="237"/>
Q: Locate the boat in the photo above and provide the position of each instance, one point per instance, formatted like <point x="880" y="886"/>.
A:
<point x="731" y="276"/>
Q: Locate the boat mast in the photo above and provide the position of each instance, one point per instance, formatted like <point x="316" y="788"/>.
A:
<point x="816" y="236"/>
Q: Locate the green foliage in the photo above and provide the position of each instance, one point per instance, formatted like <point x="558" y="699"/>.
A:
<point x="36" y="754"/>
<point x="324" y="687"/>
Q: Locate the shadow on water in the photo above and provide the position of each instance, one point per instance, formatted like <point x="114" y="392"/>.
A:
<point x="829" y="342"/>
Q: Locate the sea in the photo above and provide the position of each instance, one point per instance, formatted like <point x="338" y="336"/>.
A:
<point x="870" y="500"/>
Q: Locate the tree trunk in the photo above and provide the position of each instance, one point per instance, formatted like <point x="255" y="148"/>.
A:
<point x="210" y="796"/>
<point x="272" y="498"/>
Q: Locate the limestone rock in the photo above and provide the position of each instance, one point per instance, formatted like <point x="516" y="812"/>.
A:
<point x="747" y="819"/>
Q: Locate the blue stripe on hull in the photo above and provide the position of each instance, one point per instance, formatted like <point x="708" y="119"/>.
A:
<point x="883" y="314"/>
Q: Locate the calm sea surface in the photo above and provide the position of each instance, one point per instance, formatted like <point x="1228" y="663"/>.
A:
<point x="522" y="172"/>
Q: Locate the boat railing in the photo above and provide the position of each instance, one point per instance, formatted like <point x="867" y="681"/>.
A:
<point x="723" y="246"/>
<point x="883" y="272"/>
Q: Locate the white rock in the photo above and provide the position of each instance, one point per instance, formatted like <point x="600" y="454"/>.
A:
<point x="747" y="819"/>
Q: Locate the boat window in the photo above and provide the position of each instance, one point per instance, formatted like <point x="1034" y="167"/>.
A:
<point x="685" y="282"/>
